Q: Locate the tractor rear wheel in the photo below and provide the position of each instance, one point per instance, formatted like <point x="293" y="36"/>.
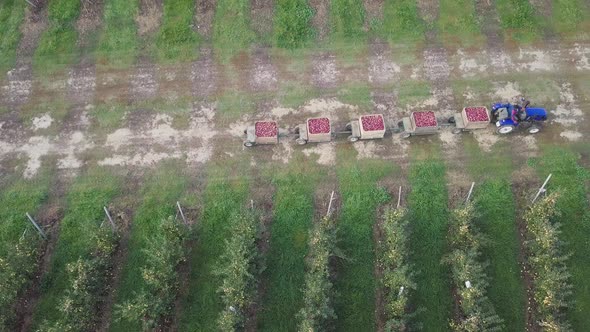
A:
<point x="505" y="130"/>
<point x="534" y="129"/>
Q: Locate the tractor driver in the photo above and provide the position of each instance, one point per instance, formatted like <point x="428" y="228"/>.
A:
<point x="519" y="112"/>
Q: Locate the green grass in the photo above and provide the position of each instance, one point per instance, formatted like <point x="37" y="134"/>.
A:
<point x="428" y="212"/>
<point x="118" y="42"/>
<point x="570" y="18"/>
<point x="231" y="27"/>
<point x="519" y="20"/>
<point x="293" y="214"/>
<point x="224" y="195"/>
<point x="569" y="178"/>
<point x="457" y="23"/>
<point x="411" y="92"/>
<point x="57" y="47"/>
<point x="231" y="106"/>
<point x="356" y="94"/>
<point x="18" y="197"/>
<point x="12" y="13"/>
<point x="163" y="187"/>
<point x="402" y="22"/>
<point x="347" y="33"/>
<point x="176" y="39"/>
<point x="84" y="214"/>
<point x="355" y="284"/>
<point x="292" y="23"/>
<point x="496" y="208"/>
<point x="107" y="117"/>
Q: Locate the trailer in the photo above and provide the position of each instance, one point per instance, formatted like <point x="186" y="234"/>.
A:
<point x="314" y="130"/>
<point x="418" y="123"/>
<point x="370" y="126"/>
<point x="470" y="118"/>
<point x="265" y="132"/>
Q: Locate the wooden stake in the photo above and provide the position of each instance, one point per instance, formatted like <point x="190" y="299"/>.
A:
<point x="330" y="204"/>
<point x="30" y="3"/>
<point x="110" y="219"/>
<point x="181" y="213"/>
<point x="399" y="197"/>
<point x="542" y="189"/>
<point x="37" y="226"/>
<point x="470" y="191"/>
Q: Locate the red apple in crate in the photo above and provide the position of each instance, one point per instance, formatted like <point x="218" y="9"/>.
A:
<point x="477" y="114"/>
<point x="319" y="125"/>
<point x="266" y="129"/>
<point x="372" y="122"/>
<point x="424" y="119"/>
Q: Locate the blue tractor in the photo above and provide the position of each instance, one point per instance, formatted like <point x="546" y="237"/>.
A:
<point x="511" y="116"/>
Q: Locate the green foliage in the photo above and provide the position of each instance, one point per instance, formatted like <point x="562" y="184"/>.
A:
<point x="398" y="278"/>
<point x="293" y="212"/>
<point x="12" y="13"/>
<point x="17" y="268"/>
<point x="237" y="269"/>
<point x="223" y="197"/>
<point x="519" y="20"/>
<point x="118" y="42"/>
<point x="465" y="261"/>
<point x="347" y="19"/>
<point x="78" y="228"/>
<point x="231" y="27"/>
<point x="318" y="291"/>
<point x="57" y="47"/>
<point x="458" y="22"/>
<point x="361" y="196"/>
<point x="428" y="220"/>
<point x="496" y="220"/>
<point x="292" y="23"/>
<point x="569" y="15"/>
<point x="401" y="22"/>
<point x="176" y="39"/>
<point x="88" y="282"/>
<point x="164" y="251"/>
<point x="552" y="288"/>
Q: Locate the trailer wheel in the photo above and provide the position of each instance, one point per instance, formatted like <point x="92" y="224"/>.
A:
<point x="353" y="139"/>
<point x="533" y="130"/>
<point x="452" y="120"/>
<point x="248" y="144"/>
<point x="400" y="124"/>
<point x="296" y="131"/>
<point x="405" y="134"/>
<point x="300" y="141"/>
<point x="505" y="130"/>
<point x="457" y="131"/>
<point x="348" y="126"/>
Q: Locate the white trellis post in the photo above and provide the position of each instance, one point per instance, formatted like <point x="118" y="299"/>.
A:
<point x="330" y="204"/>
<point x="106" y="211"/>
<point x="30" y="3"/>
<point x="181" y="213"/>
<point x="37" y="226"/>
<point x="399" y="196"/>
<point x="542" y="189"/>
<point x="470" y="191"/>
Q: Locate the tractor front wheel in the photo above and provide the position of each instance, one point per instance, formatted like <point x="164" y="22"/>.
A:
<point x="505" y="130"/>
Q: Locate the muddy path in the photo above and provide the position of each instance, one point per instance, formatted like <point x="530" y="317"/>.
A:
<point x="320" y="20"/>
<point x="204" y="13"/>
<point x="261" y="13"/>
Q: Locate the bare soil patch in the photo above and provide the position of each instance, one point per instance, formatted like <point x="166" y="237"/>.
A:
<point x="34" y="24"/>
<point x="150" y="15"/>
<point x="325" y="74"/>
<point x="320" y="19"/>
<point x="490" y="25"/>
<point x="144" y="83"/>
<point x="89" y="20"/>
<point x="261" y="14"/>
<point x="81" y="83"/>
<point x="264" y="76"/>
<point x="204" y="14"/>
<point x="204" y="74"/>
<point x="544" y="7"/>
<point x="19" y="86"/>
<point x="382" y="69"/>
<point x="374" y="11"/>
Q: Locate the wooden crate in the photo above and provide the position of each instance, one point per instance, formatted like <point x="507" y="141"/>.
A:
<point x="319" y="137"/>
<point x="371" y="134"/>
<point x="475" y="124"/>
<point x="266" y="139"/>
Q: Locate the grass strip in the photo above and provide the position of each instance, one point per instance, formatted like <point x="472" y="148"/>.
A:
<point x="292" y="23"/>
<point x="77" y="229"/>
<point x="285" y="273"/>
<point x="224" y="196"/>
<point x="355" y="304"/>
<point x="402" y="22"/>
<point x="519" y="20"/>
<point x="18" y="253"/>
<point x="496" y="208"/>
<point x="12" y="13"/>
<point x="574" y="217"/>
<point x="457" y="23"/>
<point x="427" y="204"/>
<point x="162" y="189"/>
<point x="118" y="42"/>
<point x="57" y="47"/>
<point x="570" y="17"/>
<point x="231" y="27"/>
<point x="176" y="40"/>
<point x="347" y="20"/>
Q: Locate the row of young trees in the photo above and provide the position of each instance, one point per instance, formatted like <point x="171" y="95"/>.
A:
<point x="17" y="268"/>
<point x="468" y="272"/>
<point x="88" y="285"/>
<point x="547" y="259"/>
<point x="398" y="281"/>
